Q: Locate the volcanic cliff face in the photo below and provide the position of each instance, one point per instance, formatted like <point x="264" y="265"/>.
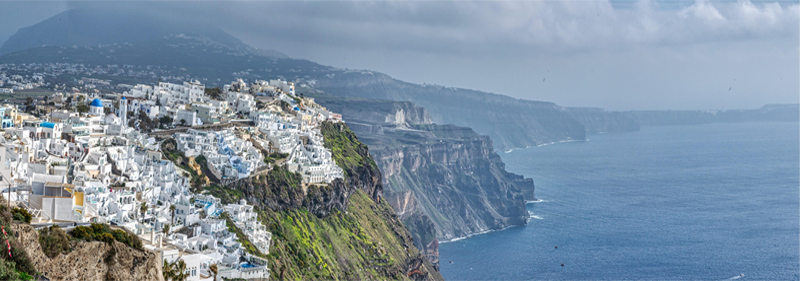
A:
<point x="457" y="179"/>
<point x="510" y="122"/>
<point x="444" y="181"/>
<point x="344" y="230"/>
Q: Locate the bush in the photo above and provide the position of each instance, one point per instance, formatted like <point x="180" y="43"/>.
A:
<point x="7" y="271"/>
<point x="54" y="241"/>
<point x="20" y="258"/>
<point x="104" y="233"/>
<point x="20" y="214"/>
<point x="106" y="237"/>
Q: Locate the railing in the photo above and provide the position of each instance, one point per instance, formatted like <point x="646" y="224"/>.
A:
<point x="35" y="210"/>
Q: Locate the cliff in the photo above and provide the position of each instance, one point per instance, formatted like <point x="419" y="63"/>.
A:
<point x="87" y="260"/>
<point x="444" y="181"/>
<point x="599" y="121"/>
<point x="456" y="177"/>
<point x="510" y="122"/>
<point x="767" y="113"/>
<point x="341" y="231"/>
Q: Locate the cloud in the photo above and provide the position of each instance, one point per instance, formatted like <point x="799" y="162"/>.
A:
<point x="618" y="54"/>
<point x="552" y="26"/>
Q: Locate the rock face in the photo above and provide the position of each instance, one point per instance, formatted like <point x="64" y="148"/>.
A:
<point x="344" y="230"/>
<point x="86" y="260"/>
<point x="510" y="122"/>
<point x="443" y="181"/>
<point x="457" y="179"/>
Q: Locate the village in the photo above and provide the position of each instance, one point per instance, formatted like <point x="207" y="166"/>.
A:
<point x="135" y="159"/>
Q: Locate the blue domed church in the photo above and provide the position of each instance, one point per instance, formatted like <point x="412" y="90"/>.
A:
<point x="96" y="108"/>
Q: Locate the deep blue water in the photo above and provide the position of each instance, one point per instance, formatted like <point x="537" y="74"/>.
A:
<point x="707" y="202"/>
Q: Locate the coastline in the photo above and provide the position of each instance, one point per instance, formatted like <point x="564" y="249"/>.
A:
<point x="539" y="145"/>
<point x="479" y="233"/>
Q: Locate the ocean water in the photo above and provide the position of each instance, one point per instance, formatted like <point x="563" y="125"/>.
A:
<point x="701" y="202"/>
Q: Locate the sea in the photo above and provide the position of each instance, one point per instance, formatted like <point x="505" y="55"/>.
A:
<point x="695" y="202"/>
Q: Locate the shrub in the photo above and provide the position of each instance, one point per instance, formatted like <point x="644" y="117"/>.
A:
<point x="106" y="237"/>
<point x="54" y="241"/>
<point x="7" y="271"/>
<point x="20" y="257"/>
<point x="104" y="233"/>
<point x="20" y="214"/>
<point x="81" y="232"/>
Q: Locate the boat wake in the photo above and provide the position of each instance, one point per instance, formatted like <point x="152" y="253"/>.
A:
<point x="736" y="277"/>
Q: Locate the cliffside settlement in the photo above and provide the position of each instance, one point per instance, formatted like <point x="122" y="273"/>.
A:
<point x="135" y="159"/>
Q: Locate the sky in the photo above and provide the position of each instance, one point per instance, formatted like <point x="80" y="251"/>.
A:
<point x="618" y="55"/>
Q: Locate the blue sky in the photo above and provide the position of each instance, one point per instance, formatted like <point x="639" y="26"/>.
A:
<point x="617" y="55"/>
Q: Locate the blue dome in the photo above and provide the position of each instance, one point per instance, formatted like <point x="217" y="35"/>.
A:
<point x="97" y="103"/>
<point x="123" y="98"/>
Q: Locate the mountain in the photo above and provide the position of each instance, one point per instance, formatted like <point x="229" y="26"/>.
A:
<point x="189" y="47"/>
<point x="767" y="113"/>
<point x="92" y="27"/>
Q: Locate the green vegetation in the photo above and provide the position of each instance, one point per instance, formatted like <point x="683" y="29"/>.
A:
<point x="21" y="214"/>
<point x="248" y="246"/>
<point x="280" y="176"/>
<point x="104" y="233"/>
<point x="274" y="157"/>
<point x="165" y="120"/>
<point x="227" y="195"/>
<point x="175" y="271"/>
<point x="363" y="244"/>
<point x="54" y="241"/>
<point x="214" y="93"/>
<point x="169" y="148"/>
<point x="8" y="272"/>
<point x="348" y="152"/>
<point x="19" y="259"/>
<point x="82" y="108"/>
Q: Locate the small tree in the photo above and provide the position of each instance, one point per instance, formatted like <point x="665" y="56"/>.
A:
<point x="143" y="209"/>
<point x="165" y="120"/>
<point x="172" y="209"/>
<point x="213" y="269"/>
<point x="82" y="108"/>
<point x="165" y="230"/>
<point x="183" y="122"/>
<point x="180" y="267"/>
<point x="167" y="270"/>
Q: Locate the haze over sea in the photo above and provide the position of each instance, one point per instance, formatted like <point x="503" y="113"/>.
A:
<point x="707" y="202"/>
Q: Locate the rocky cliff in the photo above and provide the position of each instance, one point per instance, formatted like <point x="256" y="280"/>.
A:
<point x="86" y="260"/>
<point x="510" y="122"/>
<point x="456" y="177"/>
<point x="444" y="181"/>
<point x="342" y="231"/>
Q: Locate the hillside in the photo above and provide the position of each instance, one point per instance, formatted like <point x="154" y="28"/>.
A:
<point x="341" y="231"/>
<point x="92" y="27"/>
